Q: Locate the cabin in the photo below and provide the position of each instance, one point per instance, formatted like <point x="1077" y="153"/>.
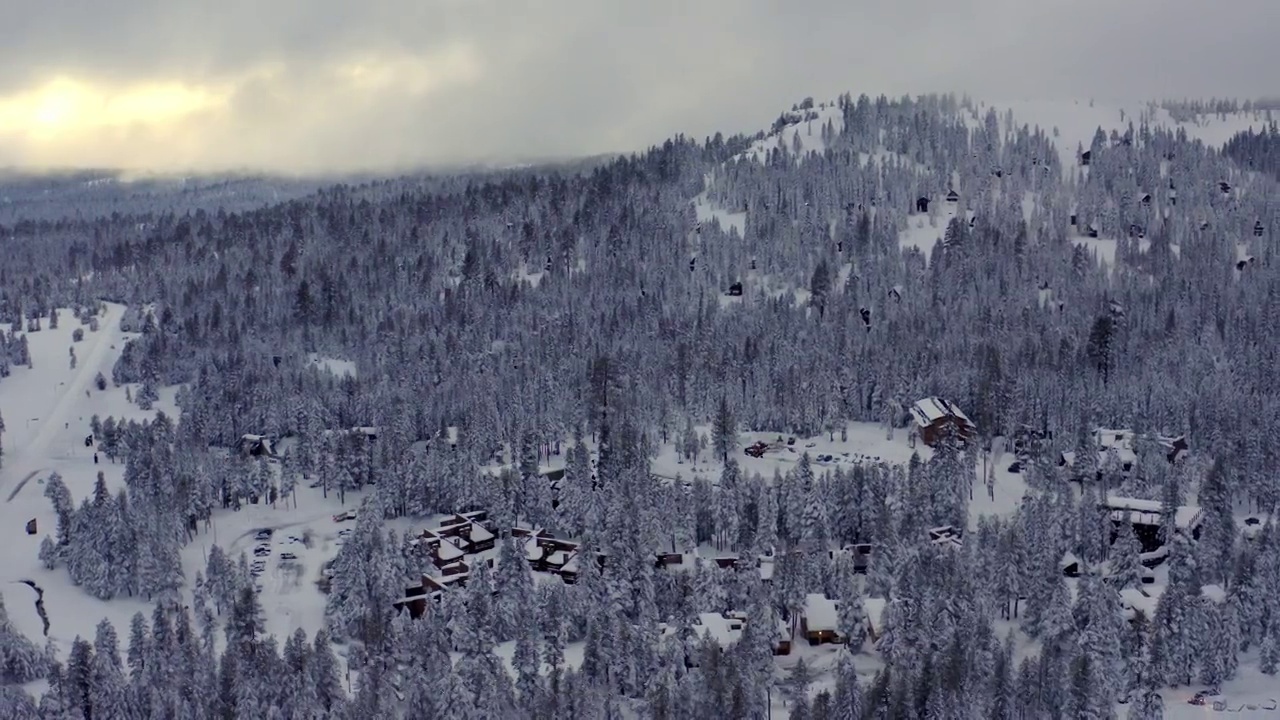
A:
<point x="953" y="196"/>
<point x="1118" y="446"/>
<point x="256" y="446"/>
<point x="1028" y="441"/>
<point x="866" y="317"/>
<point x="368" y="432"/>
<point x="416" y="597"/>
<point x="946" y="536"/>
<point x="1073" y="219"/>
<point x="1147" y="519"/>
<point x="820" y="620"/>
<point x="922" y="205"/>
<point x="1086" y="157"/>
<point x="859" y="553"/>
<point x="1091" y="231"/>
<point x="31" y="526"/>
<point x="895" y="293"/>
<point x="1245" y="262"/>
<point x="1224" y="187"/>
<point x="1136" y="231"/>
<point x="735" y="290"/>
<point x="1069" y="564"/>
<point x="1145" y="198"/>
<point x="935" y="418"/>
<point x="1143" y="601"/>
<point x="1258" y="229"/>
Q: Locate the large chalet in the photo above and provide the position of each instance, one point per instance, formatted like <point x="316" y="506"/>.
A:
<point x="935" y="417"/>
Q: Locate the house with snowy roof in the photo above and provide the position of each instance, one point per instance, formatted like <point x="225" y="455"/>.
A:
<point x="820" y="620"/>
<point x="1147" y="518"/>
<point x="1120" y="447"/>
<point x="935" y="417"/>
<point x="256" y="445"/>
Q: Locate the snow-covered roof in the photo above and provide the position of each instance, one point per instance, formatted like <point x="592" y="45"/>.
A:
<point x="532" y="551"/>
<point x="572" y="565"/>
<point x="1214" y="593"/>
<point x="480" y="533"/>
<point x="820" y="612"/>
<point x="1108" y="438"/>
<point x="1148" y="512"/>
<point x="931" y="409"/>
<point x="1133" y="600"/>
<point x="724" y="630"/>
<point x="449" y="551"/>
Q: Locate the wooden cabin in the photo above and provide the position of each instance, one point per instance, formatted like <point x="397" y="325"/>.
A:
<point x="256" y="445"/>
<point x="935" y="417"/>
<point x="820" y="620"/>
<point x="1147" y="520"/>
<point x="953" y="196"/>
<point x="946" y="536"/>
<point x="922" y="205"/>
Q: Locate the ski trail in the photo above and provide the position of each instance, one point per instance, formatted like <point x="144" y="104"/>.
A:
<point x="88" y="366"/>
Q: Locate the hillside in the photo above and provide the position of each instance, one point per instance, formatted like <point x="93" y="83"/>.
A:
<point x="894" y="403"/>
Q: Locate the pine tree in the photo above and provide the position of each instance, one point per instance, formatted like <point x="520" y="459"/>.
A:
<point x="725" y="432"/>
<point x="20" y="660"/>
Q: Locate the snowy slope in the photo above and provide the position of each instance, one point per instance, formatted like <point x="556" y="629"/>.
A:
<point x="1072" y="123"/>
<point x="47" y="410"/>
<point x="808" y="130"/>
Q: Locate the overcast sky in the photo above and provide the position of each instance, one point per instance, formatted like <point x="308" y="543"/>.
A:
<point x="309" y="85"/>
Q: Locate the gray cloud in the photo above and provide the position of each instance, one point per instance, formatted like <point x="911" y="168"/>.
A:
<point x="327" y="84"/>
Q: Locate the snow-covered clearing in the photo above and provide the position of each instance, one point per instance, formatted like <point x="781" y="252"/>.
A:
<point x="865" y="443"/>
<point x="525" y="274"/>
<point x="925" y="229"/>
<point x="1104" y="248"/>
<point x="706" y="212"/>
<point x="332" y="365"/>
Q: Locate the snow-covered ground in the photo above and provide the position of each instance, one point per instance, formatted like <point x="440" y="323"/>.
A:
<point x="332" y="365"/>
<point x="923" y="230"/>
<point x="707" y="212"/>
<point x="809" y="131"/>
<point x="47" y="411"/>
<point x="1071" y="124"/>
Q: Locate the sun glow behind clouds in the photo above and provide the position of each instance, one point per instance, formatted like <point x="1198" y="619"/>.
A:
<point x="65" y="108"/>
<point x="272" y="115"/>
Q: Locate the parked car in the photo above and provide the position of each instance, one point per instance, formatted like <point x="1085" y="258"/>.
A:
<point x="288" y="556"/>
<point x="263" y="534"/>
<point x="345" y="516"/>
